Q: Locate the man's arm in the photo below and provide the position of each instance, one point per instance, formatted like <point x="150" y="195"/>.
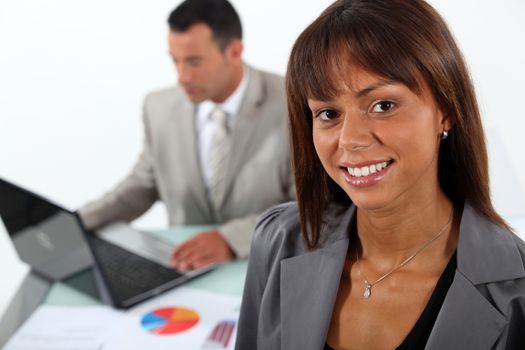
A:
<point x="229" y="241"/>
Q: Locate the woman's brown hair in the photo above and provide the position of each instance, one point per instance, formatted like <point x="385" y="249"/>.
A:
<point x="401" y="41"/>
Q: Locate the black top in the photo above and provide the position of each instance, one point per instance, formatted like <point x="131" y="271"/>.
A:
<point x="418" y="336"/>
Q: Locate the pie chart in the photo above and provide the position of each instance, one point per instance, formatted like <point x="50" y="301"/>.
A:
<point x="169" y="320"/>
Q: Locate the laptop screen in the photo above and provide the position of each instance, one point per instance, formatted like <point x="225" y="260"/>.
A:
<point x="45" y="236"/>
<point x="20" y="210"/>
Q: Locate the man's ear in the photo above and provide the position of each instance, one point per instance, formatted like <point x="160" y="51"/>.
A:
<point x="235" y="49"/>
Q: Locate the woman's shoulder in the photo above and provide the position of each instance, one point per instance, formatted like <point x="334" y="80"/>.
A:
<point x="491" y="255"/>
<point x="277" y="236"/>
<point x="278" y="232"/>
<point x="278" y="228"/>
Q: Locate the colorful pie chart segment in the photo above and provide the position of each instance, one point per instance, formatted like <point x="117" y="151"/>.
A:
<point x="169" y="320"/>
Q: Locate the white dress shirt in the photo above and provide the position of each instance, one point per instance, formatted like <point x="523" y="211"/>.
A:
<point x="206" y="126"/>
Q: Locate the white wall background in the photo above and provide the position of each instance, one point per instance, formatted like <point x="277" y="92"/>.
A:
<point x="73" y="74"/>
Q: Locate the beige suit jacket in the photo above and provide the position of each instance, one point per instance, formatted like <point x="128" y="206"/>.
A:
<point x="168" y="168"/>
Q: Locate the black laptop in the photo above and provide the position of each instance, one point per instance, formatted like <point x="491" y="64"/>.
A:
<point x="53" y="241"/>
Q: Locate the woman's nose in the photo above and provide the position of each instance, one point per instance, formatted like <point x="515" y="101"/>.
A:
<point x="356" y="132"/>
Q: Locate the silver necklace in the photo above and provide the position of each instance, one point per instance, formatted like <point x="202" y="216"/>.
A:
<point x="367" y="293"/>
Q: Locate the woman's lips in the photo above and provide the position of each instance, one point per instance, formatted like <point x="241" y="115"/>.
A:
<point x="368" y="175"/>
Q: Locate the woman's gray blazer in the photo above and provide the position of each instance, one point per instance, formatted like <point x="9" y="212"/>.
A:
<point x="290" y="292"/>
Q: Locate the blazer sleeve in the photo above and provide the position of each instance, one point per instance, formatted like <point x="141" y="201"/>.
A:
<point x="131" y="197"/>
<point x="259" y="265"/>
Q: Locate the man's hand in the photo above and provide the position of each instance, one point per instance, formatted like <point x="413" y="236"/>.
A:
<point x="206" y="248"/>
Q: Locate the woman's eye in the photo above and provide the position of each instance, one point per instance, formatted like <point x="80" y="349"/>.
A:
<point x="383" y="106"/>
<point x="327" y="114"/>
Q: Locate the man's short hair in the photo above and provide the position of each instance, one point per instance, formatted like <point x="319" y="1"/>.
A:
<point x="219" y="15"/>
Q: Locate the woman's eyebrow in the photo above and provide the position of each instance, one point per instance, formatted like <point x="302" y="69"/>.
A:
<point x="370" y="88"/>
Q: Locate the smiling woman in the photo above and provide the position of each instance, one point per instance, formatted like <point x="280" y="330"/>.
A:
<point x="393" y="241"/>
<point x="378" y="141"/>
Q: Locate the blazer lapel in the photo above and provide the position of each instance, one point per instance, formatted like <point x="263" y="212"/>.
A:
<point x="469" y="319"/>
<point x="309" y="285"/>
<point x="187" y="135"/>
<point x="243" y="129"/>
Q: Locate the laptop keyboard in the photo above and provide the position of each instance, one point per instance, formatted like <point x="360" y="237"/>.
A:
<point x="128" y="274"/>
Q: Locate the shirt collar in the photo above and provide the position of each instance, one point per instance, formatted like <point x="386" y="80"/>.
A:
<point x="231" y="105"/>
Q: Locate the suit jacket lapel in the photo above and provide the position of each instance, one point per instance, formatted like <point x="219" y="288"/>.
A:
<point x="243" y="128"/>
<point x="309" y="285"/>
<point x="187" y="136"/>
<point x="467" y="320"/>
<point x="486" y="253"/>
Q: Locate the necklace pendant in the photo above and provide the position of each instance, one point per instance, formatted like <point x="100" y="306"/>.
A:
<point x="368" y="291"/>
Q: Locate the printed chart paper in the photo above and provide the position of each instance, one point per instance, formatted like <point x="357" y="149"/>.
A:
<point x="183" y="318"/>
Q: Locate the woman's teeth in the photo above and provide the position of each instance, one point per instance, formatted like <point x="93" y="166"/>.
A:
<point x="367" y="170"/>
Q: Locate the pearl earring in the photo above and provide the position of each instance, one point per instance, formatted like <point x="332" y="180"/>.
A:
<point x="444" y="134"/>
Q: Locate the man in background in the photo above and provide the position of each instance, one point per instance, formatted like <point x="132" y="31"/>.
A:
<point x="216" y="146"/>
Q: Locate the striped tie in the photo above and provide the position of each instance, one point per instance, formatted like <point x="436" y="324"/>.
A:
<point x="220" y="149"/>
